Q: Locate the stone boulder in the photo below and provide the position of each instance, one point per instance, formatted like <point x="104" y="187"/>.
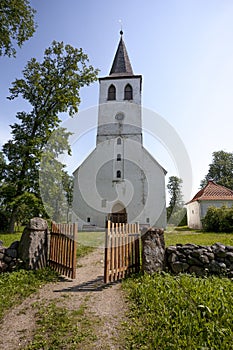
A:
<point x="153" y="250"/>
<point x="33" y="246"/>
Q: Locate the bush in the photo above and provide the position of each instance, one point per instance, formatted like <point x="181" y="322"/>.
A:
<point x="218" y="219"/>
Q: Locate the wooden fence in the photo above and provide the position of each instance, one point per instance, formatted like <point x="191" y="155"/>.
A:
<point x="122" y="252"/>
<point x="62" y="252"/>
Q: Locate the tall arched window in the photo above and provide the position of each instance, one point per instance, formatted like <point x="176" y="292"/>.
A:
<point x="128" y="92"/>
<point x="119" y="141"/>
<point x="111" y="92"/>
<point x="118" y="174"/>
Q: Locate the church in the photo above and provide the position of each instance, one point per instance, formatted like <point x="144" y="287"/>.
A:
<point x="120" y="180"/>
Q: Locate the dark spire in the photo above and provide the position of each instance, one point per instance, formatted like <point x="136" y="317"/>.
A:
<point x="121" y="63"/>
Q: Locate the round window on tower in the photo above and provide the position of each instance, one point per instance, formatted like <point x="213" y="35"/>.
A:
<point x="119" y="116"/>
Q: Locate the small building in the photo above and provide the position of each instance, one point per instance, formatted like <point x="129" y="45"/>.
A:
<point x="211" y="195"/>
<point x="120" y="180"/>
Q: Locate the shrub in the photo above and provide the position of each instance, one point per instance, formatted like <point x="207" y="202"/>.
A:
<point x="218" y="219"/>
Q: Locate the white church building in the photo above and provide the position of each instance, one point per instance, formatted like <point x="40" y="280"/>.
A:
<point x="120" y="180"/>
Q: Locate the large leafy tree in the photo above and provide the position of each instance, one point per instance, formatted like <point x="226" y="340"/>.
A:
<point x="221" y="169"/>
<point x="51" y="87"/>
<point x="16" y="25"/>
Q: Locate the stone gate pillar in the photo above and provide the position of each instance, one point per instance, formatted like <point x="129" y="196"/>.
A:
<point x="153" y="250"/>
<point x="33" y="246"/>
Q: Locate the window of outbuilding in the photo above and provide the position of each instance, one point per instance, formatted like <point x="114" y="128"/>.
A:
<point x="128" y="95"/>
<point x="111" y="93"/>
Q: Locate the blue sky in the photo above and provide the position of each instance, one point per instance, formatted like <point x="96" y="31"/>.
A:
<point x="183" y="49"/>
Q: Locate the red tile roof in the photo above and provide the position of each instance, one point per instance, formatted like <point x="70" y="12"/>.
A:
<point x="213" y="191"/>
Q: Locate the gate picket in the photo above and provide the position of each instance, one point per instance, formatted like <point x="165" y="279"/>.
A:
<point x="62" y="252"/>
<point x="122" y="254"/>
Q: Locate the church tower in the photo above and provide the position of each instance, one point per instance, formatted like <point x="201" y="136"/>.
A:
<point x="120" y="180"/>
<point x="119" y="94"/>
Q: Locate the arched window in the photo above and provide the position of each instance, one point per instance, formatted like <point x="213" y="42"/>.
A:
<point x="118" y="174"/>
<point x="119" y="157"/>
<point x="128" y="92"/>
<point x="111" y="93"/>
<point x="119" y="141"/>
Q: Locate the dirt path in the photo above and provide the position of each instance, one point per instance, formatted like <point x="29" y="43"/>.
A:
<point x="104" y="301"/>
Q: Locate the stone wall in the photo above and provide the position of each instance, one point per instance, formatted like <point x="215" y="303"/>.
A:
<point x="201" y="260"/>
<point x="188" y="258"/>
<point x="8" y="257"/>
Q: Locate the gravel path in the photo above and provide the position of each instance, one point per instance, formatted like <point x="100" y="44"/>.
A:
<point x="104" y="301"/>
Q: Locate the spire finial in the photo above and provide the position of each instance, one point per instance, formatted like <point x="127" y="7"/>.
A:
<point x="121" y="31"/>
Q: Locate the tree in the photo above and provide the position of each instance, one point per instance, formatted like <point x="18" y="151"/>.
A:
<point x="56" y="186"/>
<point x="176" y="197"/>
<point x="51" y="87"/>
<point x="16" y="25"/>
<point x="221" y="169"/>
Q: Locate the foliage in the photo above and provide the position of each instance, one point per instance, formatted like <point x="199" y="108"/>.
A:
<point x="182" y="312"/>
<point x="16" y="25"/>
<point x="218" y="219"/>
<point x="60" y="328"/>
<point x="18" y="285"/>
<point x="175" y="210"/>
<point x="51" y="87"/>
<point x="56" y="186"/>
<point x="221" y="169"/>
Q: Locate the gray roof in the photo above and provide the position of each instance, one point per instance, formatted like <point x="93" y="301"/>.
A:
<point x="121" y="63"/>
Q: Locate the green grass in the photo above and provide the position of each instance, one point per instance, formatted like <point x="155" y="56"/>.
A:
<point x="61" y="328"/>
<point x="92" y="239"/>
<point x="183" y="236"/>
<point x="9" y="238"/>
<point x="182" y="312"/>
<point x="18" y="285"/>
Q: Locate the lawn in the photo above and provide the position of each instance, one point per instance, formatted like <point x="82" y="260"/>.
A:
<point x="183" y="235"/>
<point x="181" y="312"/>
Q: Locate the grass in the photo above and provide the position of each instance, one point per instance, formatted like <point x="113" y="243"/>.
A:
<point x="9" y="238"/>
<point x="92" y="239"/>
<point x="18" y="285"/>
<point x="182" y="312"/>
<point x="184" y="235"/>
<point x="61" y="328"/>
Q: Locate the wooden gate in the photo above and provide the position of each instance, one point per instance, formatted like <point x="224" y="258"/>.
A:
<point x="122" y="252"/>
<point x="62" y="251"/>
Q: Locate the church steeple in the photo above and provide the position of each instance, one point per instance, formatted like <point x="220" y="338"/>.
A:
<point x="121" y="64"/>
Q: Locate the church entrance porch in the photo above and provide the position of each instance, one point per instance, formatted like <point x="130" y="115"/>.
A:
<point x="118" y="214"/>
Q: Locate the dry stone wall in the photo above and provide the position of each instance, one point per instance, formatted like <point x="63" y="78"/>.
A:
<point x="8" y="257"/>
<point x="188" y="258"/>
<point x="201" y="260"/>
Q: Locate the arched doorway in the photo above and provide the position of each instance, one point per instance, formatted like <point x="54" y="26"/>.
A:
<point x="118" y="214"/>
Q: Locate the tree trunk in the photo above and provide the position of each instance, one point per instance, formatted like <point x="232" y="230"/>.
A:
<point x="11" y="226"/>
